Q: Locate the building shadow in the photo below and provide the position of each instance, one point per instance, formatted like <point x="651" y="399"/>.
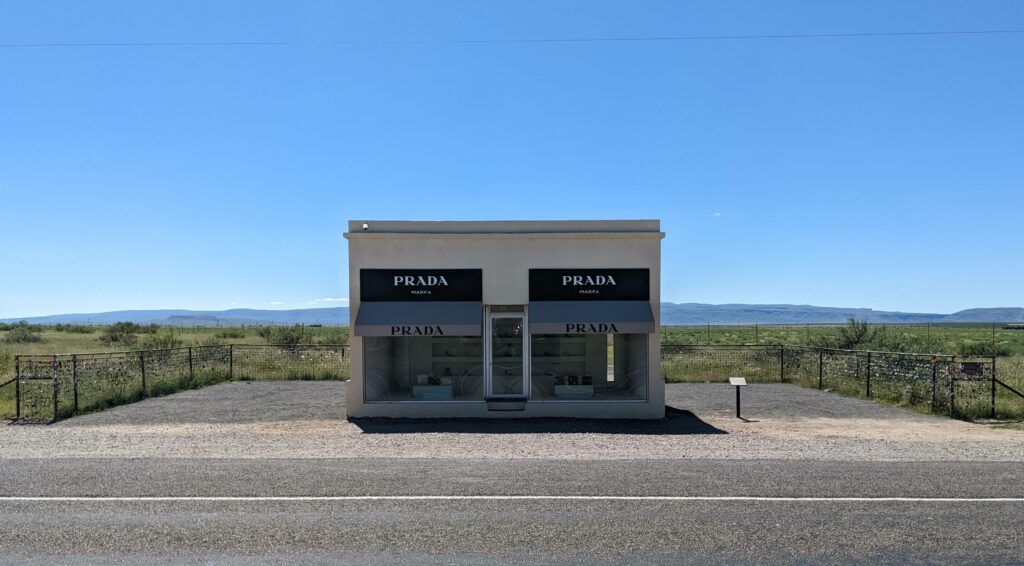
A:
<point x="676" y="422"/>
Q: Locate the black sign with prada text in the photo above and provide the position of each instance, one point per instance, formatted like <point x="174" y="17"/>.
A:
<point x="590" y="284"/>
<point x="420" y="285"/>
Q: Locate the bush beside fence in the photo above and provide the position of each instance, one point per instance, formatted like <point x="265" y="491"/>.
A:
<point x="47" y="388"/>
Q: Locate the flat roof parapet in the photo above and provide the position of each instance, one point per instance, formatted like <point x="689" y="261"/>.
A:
<point x="503" y="227"/>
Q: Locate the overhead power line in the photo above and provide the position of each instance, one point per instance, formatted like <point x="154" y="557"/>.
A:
<point x="521" y="40"/>
<point x="728" y="37"/>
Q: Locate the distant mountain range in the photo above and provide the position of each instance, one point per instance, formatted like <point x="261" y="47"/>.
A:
<point x="181" y="317"/>
<point x="672" y="314"/>
<point x="697" y="313"/>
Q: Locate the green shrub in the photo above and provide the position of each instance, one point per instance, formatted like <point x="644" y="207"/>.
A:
<point x="20" y="324"/>
<point x="22" y="334"/>
<point x="971" y="348"/>
<point x="164" y="339"/>
<point x="284" y="335"/>
<point x="331" y="336"/>
<point x="212" y="340"/>
<point x="849" y="337"/>
<point x="886" y="339"/>
<point x="6" y="364"/>
<point x="230" y="333"/>
<point x="120" y="333"/>
<point x="74" y="328"/>
<point x="859" y="335"/>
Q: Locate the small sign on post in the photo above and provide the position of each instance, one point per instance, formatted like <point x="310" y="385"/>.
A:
<point x="738" y="382"/>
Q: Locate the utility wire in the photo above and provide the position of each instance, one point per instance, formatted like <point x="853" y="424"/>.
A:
<point x="521" y="40"/>
<point x="728" y="37"/>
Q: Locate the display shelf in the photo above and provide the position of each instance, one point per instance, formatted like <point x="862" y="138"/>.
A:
<point x="574" y="391"/>
<point x="432" y="392"/>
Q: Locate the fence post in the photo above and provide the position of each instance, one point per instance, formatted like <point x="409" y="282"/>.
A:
<point x="869" y="375"/>
<point x="191" y="374"/>
<point x="56" y="399"/>
<point x="952" y="387"/>
<point x="993" y="415"/>
<point x="231" y="362"/>
<point x="821" y="366"/>
<point x="782" y="363"/>
<point x="935" y="378"/>
<point x="142" y="370"/>
<point x="74" y="380"/>
<point x="17" y="388"/>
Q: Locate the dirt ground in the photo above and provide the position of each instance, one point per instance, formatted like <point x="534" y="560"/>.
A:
<point x="307" y="420"/>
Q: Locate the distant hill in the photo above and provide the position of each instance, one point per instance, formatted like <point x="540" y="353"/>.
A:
<point x="697" y="313"/>
<point x="672" y="314"/>
<point x="1008" y="314"/>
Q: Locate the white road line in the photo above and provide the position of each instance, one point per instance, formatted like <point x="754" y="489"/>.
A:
<point x="667" y="498"/>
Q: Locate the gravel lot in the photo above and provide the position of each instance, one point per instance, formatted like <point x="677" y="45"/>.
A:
<point x="307" y="420"/>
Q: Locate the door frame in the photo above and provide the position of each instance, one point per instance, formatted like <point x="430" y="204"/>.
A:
<point x="489" y="354"/>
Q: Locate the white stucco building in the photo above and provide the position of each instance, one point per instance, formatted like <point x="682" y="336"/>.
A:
<point x="505" y="319"/>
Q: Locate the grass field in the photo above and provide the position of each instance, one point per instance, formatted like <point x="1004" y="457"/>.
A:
<point x="931" y="338"/>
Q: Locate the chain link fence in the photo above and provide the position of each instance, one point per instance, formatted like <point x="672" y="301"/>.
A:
<point x="960" y="386"/>
<point x="260" y="363"/>
<point x="686" y="362"/>
<point x="47" y="388"/>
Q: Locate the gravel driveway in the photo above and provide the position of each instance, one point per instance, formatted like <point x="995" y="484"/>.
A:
<point x="307" y="420"/>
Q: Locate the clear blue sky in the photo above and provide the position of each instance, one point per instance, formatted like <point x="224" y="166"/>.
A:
<point x="882" y="172"/>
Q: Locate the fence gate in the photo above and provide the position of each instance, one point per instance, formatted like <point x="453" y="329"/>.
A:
<point x="972" y="387"/>
<point x="38" y="386"/>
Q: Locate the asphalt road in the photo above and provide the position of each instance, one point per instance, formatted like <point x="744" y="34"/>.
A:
<point x="503" y="531"/>
<point x="160" y="491"/>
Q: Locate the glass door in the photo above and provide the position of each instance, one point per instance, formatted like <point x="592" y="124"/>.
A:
<point x="506" y="355"/>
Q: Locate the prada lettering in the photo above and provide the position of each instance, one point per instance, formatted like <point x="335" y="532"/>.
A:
<point x="600" y="284"/>
<point x="588" y="280"/>
<point x="401" y="285"/>
<point x="587" y="328"/>
<point x="416" y="331"/>
<point x="420" y="281"/>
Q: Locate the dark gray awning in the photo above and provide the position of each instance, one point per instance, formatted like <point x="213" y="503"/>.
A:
<point x="587" y="317"/>
<point x="426" y="318"/>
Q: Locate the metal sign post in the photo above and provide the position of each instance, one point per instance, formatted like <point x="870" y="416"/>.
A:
<point x="738" y="382"/>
